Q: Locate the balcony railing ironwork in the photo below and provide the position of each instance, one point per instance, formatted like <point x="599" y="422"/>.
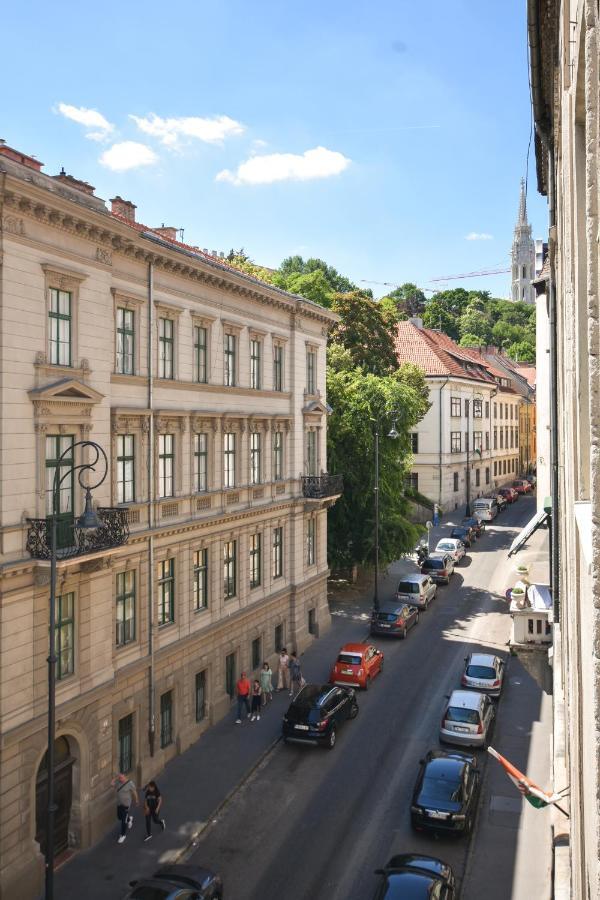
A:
<point x="317" y="487"/>
<point x="73" y="541"/>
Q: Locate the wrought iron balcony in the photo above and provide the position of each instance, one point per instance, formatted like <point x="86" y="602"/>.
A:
<point x="73" y="541"/>
<point x="318" y="487"/>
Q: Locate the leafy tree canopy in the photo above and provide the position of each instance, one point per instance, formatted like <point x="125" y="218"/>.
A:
<point x="406" y="300"/>
<point x="470" y="340"/>
<point x="522" y="351"/>
<point x="296" y="265"/>
<point x="363" y="332"/>
<point x="475" y="320"/>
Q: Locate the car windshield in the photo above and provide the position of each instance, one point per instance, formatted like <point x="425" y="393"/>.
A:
<point x="440" y="789"/>
<point x="459" y="714"/>
<point x="349" y="659"/>
<point x="480" y="672"/>
<point x="150" y="892"/>
<point x="445" y="545"/>
<point x="432" y="563"/>
<point x="408" y="587"/>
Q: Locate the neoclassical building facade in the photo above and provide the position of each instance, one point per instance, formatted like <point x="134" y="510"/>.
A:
<point x="206" y="389"/>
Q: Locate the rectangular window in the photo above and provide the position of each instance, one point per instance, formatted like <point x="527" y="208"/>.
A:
<point x="455" y="442"/>
<point x="166" y="591"/>
<point x="516" y="437"/>
<point x="487" y="440"/>
<point x="255" y="457"/>
<point x="501" y="410"/>
<point x="506" y="410"/>
<point x="495" y="410"/>
<point x="255" y="365"/>
<point x="277" y="367"/>
<point x="495" y="468"/>
<point x="166" y="459"/>
<point x="504" y="467"/>
<point x="166" y="719"/>
<point x="312" y="621"/>
<point x="200" y="354"/>
<point x="467" y="441"/>
<point x="414" y="441"/>
<point x="477" y="477"/>
<point x="495" y="438"/>
<point x="166" y="341"/>
<point x="229" y="355"/>
<point x="229" y="569"/>
<point x="467" y="408"/>
<point x="230" y="674"/>
<point x="487" y="475"/>
<point x="477" y="408"/>
<point x="487" y="409"/>
<point x="501" y="438"/>
<point x="201" y="462"/>
<point x="512" y="436"/>
<point x="278" y="638"/>
<point x="56" y="446"/>
<point x="411" y="481"/>
<point x="311" y="542"/>
<point x="200" y="579"/>
<point x="64" y="635"/>
<point x="455" y="407"/>
<point x="530" y="626"/>
<point x="311" y="372"/>
<point x="200" y="695"/>
<point x="125" y="608"/>
<point x="478" y="441"/>
<point x="511" y="410"/>
<point x="255" y="553"/>
<point x="229" y="460"/>
<point x="126" y="743"/>
<point x="277" y="552"/>
<point x="59" y="328"/>
<point x="277" y="455"/>
<point x="311" y="452"/>
<point x="455" y="481"/>
<point x="125" y="342"/>
<point x="125" y="468"/>
<point x="256" y="653"/>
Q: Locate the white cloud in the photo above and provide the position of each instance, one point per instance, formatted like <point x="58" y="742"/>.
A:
<point x="170" y="131"/>
<point x="267" y="169"/>
<point x="128" y="155"/>
<point x="91" y="118"/>
<point x="479" y="236"/>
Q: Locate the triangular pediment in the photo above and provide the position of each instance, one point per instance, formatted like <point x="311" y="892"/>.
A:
<point x="68" y="390"/>
<point x="317" y="407"/>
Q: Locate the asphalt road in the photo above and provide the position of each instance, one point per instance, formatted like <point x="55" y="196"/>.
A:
<point x="313" y="823"/>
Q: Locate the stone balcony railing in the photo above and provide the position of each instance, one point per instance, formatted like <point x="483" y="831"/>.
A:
<point x="73" y="541"/>
<point x="319" y="487"/>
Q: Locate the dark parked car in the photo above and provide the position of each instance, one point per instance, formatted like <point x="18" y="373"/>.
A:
<point x="412" y="876"/>
<point x="446" y="793"/>
<point x="394" y="617"/>
<point x="464" y="534"/>
<point x="475" y="523"/>
<point x="317" y="711"/>
<point x="439" y="567"/>
<point x="178" y="883"/>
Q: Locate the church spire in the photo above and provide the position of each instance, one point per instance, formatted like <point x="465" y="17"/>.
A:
<point x="522" y="220"/>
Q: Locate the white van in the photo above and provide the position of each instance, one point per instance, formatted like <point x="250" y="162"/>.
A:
<point x="485" y="508"/>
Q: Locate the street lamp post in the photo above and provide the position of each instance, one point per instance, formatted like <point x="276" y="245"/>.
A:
<point x="393" y="433"/>
<point x="88" y="520"/>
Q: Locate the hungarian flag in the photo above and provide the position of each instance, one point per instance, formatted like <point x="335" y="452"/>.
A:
<point x="528" y="788"/>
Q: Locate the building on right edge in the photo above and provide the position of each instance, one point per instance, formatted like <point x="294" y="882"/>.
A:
<point x="564" y="70"/>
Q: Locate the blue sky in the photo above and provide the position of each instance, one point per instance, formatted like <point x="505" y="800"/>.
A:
<point x="374" y="135"/>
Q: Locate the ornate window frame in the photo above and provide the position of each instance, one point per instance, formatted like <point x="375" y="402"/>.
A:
<point x="123" y="300"/>
<point x="60" y="278"/>
<point x="137" y="423"/>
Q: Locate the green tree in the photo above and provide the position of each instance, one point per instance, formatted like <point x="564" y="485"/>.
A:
<point x="470" y="340"/>
<point x="504" y="334"/>
<point x="437" y="315"/>
<point x="522" y="351"/>
<point x="296" y="265"/>
<point x="475" y="321"/>
<point x="312" y="285"/>
<point x="406" y="300"/>
<point x="363" y="332"/>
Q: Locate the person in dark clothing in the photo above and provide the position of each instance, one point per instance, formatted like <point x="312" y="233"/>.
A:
<point x="152" y="804"/>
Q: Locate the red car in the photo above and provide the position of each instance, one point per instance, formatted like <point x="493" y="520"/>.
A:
<point x="356" y="665"/>
<point x="521" y="486"/>
<point x="509" y="494"/>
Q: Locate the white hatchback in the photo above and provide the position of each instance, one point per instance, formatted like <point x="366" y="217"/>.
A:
<point x="483" y="672"/>
<point x="453" y="547"/>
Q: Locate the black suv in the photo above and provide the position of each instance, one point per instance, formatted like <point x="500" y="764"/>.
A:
<point x="315" y="714"/>
<point x="446" y="793"/>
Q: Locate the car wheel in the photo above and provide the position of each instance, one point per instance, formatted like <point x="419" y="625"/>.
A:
<point x="331" y="740"/>
<point x="353" y="710"/>
<point x="404" y="633"/>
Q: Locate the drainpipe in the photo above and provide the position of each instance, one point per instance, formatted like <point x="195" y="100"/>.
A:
<point x="151" y="515"/>
<point x="554" y="557"/>
<point x="442" y="386"/>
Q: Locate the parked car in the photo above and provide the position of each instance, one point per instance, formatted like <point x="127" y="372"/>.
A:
<point x="394" y="617"/>
<point x="502" y="502"/>
<point x="509" y="493"/>
<point x="468" y="719"/>
<point x="453" y="547"/>
<point x="531" y="479"/>
<point x="485" y="509"/>
<point x="316" y="713"/>
<point x="475" y="523"/>
<point x="484" y="672"/>
<point x="413" y="876"/>
<point x="464" y="534"/>
<point x="446" y="793"/>
<point x="521" y="486"/>
<point x="416" y="590"/>
<point x="356" y="665"/>
<point x="178" y="883"/>
<point x="439" y="566"/>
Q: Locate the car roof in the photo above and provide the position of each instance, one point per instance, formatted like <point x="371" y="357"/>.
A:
<point x="436" y="554"/>
<point x="410" y="884"/>
<point x="419" y="861"/>
<point x="466" y="699"/>
<point x="450" y="539"/>
<point x="313" y="695"/>
<point x="414" y="578"/>
<point x="184" y="874"/>
<point x="449" y="767"/>
<point x="482" y="659"/>
<point x="355" y="648"/>
<point x="392" y="605"/>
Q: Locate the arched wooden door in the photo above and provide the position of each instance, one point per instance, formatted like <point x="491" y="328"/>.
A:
<point x="63" y="795"/>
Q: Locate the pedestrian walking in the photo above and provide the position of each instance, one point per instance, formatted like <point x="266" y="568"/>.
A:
<point x="127" y="796"/>
<point x="283" y="672"/>
<point x="256" y="700"/>
<point x="297" y="681"/>
<point x="266" y="683"/>
<point x="152" y="806"/>
<point x="243" y="693"/>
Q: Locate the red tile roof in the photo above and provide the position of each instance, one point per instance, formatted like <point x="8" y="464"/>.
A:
<point x="528" y="373"/>
<point x="437" y="354"/>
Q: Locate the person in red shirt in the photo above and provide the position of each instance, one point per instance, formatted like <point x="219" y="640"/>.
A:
<point x="243" y="688"/>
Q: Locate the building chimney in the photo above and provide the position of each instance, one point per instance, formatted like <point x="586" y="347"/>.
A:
<point x="416" y="321"/>
<point x="167" y="231"/>
<point x="75" y="183"/>
<point x="10" y="153"/>
<point x="124" y="208"/>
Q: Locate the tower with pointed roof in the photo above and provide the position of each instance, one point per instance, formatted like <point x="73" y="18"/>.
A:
<point x="523" y="255"/>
